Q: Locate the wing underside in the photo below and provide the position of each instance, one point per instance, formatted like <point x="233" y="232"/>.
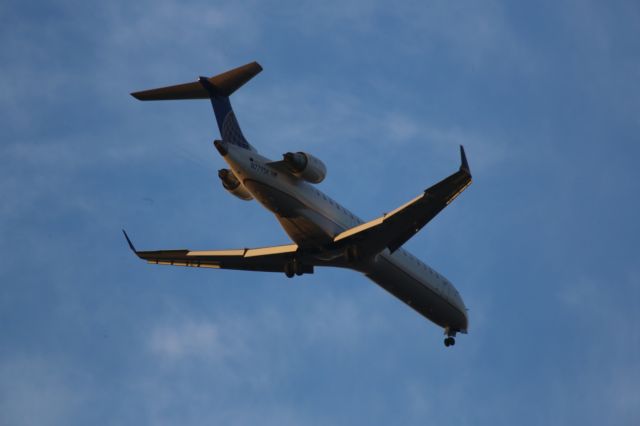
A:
<point x="393" y="229"/>
<point x="265" y="259"/>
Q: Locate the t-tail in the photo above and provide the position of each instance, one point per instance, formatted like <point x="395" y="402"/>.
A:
<point x="218" y="89"/>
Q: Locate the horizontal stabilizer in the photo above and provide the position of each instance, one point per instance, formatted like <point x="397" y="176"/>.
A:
<point x="223" y="85"/>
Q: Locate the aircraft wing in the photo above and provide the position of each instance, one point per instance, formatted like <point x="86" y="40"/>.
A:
<point x="267" y="259"/>
<point x="393" y="229"/>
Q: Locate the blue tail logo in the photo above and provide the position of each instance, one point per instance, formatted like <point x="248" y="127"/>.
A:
<point x="225" y="117"/>
<point x="227" y="122"/>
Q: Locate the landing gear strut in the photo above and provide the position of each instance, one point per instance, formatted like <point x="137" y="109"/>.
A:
<point x="352" y="254"/>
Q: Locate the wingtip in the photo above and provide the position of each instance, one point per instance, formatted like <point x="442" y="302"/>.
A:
<point x="464" y="166"/>
<point x="133" y="249"/>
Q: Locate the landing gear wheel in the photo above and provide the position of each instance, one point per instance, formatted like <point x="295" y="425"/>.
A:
<point x="289" y="269"/>
<point x="293" y="267"/>
<point x="449" y="341"/>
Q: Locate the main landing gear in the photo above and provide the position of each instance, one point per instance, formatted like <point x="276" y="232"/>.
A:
<point x="293" y="267"/>
<point x="352" y="254"/>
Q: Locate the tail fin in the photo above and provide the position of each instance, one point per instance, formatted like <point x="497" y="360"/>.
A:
<point x="217" y="88"/>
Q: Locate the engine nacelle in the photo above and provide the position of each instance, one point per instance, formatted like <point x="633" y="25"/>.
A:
<point x="233" y="185"/>
<point x="305" y="166"/>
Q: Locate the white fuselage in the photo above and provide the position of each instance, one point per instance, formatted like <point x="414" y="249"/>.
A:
<point x="312" y="219"/>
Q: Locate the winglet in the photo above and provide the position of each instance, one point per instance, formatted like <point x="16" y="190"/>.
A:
<point x="464" y="166"/>
<point x="129" y="242"/>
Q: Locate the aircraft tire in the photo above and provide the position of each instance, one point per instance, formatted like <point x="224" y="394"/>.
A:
<point x="289" y="269"/>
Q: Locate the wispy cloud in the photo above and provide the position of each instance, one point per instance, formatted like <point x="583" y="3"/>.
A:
<point x="36" y="391"/>
<point x="189" y="340"/>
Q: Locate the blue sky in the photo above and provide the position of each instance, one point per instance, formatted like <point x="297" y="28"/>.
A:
<point x="542" y="246"/>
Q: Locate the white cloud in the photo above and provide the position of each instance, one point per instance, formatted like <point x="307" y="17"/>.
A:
<point x="475" y="34"/>
<point x="35" y="391"/>
<point x="199" y="365"/>
<point x="170" y="23"/>
<point x="401" y="127"/>
<point x="327" y="321"/>
<point x="202" y="339"/>
<point x="342" y="126"/>
<point x="623" y="392"/>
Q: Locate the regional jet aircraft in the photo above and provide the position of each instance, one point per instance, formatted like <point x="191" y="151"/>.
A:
<point x="323" y="232"/>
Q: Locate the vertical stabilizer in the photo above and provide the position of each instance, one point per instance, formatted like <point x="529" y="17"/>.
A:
<point x="225" y="117"/>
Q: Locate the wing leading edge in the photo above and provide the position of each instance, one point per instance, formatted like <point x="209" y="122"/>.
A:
<point x="266" y="259"/>
<point x="393" y="229"/>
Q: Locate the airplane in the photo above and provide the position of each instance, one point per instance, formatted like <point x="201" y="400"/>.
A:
<point x="323" y="232"/>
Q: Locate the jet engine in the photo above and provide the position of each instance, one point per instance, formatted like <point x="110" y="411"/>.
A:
<point x="305" y="166"/>
<point x="233" y="185"/>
